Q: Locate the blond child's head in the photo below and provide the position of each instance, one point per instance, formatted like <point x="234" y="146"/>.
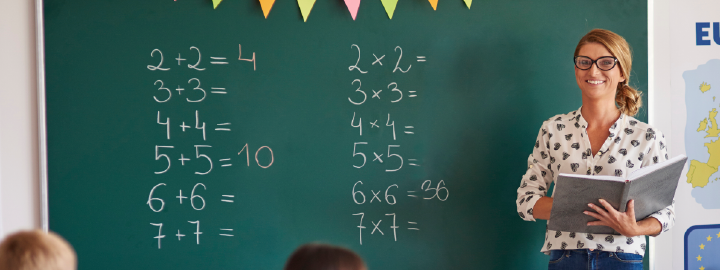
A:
<point x="36" y="250"/>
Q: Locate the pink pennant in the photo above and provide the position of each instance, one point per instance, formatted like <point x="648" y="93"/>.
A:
<point x="353" y="6"/>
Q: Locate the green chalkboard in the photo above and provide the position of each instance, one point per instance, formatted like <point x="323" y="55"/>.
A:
<point x="460" y="96"/>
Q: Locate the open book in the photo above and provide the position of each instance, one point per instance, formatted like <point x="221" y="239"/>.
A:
<point x="652" y="188"/>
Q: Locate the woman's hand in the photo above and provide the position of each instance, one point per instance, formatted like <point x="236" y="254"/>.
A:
<point x="623" y="223"/>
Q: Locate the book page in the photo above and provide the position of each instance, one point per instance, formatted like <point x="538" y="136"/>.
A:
<point x="649" y="169"/>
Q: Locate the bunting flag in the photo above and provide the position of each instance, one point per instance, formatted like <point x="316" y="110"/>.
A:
<point x="305" y="7"/>
<point x="353" y="6"/>
<point x="433" y="3"/>
<point x="216" y="3"/>
<point x="389" y="6"/>
<point x="468" y="3"/>
<point x="266" y="6"/>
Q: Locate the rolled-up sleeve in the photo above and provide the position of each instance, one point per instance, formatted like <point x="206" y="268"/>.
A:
<point x="537" y="178"/>
<point x="658" y="152"/>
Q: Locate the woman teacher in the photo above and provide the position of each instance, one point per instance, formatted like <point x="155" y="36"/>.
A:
<point x="600" y="138"/>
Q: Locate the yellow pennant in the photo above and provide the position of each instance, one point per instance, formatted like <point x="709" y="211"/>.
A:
<point x="266" y="6"/>
<point x="216" y="3"/>
<point x="468" y="3"/>
<point x="433" y="3"/>
<point x="305" y="7"/>
<point x="389" y="6"/>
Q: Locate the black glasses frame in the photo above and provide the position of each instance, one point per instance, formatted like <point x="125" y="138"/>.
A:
<point x="575" y="60"/>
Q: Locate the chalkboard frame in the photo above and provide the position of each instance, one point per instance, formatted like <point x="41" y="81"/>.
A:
<point x="42" y="119"/>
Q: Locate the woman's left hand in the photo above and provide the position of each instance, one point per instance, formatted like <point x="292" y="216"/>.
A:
<point x="623" y="223"/>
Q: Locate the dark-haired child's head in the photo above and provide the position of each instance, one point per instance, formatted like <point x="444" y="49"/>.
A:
<point x="316" y="256"/>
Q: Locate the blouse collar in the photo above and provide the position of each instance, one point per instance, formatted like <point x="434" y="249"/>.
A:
<point x="579" y="119"/>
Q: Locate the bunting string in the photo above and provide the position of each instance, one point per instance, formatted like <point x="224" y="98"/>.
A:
<point x="353" y="6"/>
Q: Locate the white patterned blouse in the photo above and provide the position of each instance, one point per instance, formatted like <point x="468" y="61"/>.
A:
<point x="563" y="146"/>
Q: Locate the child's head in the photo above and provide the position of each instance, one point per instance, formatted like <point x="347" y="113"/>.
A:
<point x="324" y="257"/>
<point x="36" y="250"/>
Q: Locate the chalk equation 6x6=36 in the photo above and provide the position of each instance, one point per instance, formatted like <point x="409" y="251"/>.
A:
<point x="427" y="191"/>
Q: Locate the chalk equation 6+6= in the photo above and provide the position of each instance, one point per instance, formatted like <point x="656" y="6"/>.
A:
<point x="153" y="201"/>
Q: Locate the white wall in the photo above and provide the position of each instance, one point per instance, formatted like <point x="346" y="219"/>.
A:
<point x="19" y="173"/>
<point x="659" y="99"/>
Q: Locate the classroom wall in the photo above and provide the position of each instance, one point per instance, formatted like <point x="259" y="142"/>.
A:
<point x="658" y="97"/>
<point x="19" y="188"/>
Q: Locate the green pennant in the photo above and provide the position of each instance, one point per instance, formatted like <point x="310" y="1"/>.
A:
<point x="389" y="6"/>
<point x="216" y="3"/>
<point x="305" y="7"/>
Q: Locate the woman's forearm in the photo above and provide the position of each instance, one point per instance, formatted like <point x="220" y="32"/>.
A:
<point x="542" y="208"/>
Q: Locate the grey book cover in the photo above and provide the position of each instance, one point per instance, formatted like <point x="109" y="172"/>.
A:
<point x="652" y="188"/>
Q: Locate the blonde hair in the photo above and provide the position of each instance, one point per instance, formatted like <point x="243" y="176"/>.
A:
<point x="627" y="98"/>
<point x="36" y="250"/>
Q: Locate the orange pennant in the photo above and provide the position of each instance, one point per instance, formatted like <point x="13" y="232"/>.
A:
<point x="266" y="6"/>
<point x="433" y="3"/>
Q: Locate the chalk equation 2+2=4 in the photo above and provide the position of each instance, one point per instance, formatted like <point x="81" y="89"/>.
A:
<point x="198" y="64"/>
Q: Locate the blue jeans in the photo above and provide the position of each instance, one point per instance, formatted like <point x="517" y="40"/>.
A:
<point x="593" y="260"/>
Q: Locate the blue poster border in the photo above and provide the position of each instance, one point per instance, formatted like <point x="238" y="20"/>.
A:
<point x="687" y="233"/>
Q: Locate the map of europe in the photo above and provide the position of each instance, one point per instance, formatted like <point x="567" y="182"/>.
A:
<point x="702" y="134"/>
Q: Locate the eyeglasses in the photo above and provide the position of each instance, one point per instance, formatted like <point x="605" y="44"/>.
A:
<point x="604" y="63"/>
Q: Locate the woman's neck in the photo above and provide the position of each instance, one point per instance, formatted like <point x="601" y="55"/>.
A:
<point x="600" y="114"/>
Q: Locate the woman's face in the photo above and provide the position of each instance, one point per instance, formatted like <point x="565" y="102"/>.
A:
<point x="597" y="84"/>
